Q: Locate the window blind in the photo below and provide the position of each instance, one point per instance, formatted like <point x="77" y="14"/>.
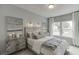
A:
<point x="66" y="17"/>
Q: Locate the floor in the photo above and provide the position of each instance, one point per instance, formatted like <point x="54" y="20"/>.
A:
<point x="71" y="51"/>
<point x="25" y="52"/>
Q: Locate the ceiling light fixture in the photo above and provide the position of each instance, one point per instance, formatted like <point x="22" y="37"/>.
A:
<point x="51" y="6"/>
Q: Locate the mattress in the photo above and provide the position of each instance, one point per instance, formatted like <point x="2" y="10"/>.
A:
<point x="46" y="51"/>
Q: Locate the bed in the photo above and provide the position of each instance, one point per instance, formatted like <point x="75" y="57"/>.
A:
<point x="47" y="46"/>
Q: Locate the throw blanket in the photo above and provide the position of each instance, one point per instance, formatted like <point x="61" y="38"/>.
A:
<point x="53" y="43"/>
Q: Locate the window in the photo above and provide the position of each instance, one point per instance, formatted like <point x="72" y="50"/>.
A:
<point x="56" y="28"/>
<point x="63" y="28"/>
<point x="67" y="28"/>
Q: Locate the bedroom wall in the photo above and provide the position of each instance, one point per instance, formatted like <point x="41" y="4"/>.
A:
<point x="10" y="10"/>
<point x="2" y="31"/>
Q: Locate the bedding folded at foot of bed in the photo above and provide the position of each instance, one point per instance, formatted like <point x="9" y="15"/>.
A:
<point x="54" y="46"/>
<point x="52" y="43"/>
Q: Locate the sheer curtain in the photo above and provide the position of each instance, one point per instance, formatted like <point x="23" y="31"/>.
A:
<point x="51" y="21"/>
<point x="76" y="28"/>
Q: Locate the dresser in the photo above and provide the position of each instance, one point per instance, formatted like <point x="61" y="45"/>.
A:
<point x="15" y="40"/>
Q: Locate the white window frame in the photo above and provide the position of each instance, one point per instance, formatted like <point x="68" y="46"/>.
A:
<point x="61" y="30"/>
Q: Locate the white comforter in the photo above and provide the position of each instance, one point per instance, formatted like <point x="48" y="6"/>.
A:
<point x="60" y="50"/>
<point x="36" y="46"/>
<point x="37" y="43"/>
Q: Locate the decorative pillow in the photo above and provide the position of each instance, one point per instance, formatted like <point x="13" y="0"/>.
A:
<point x="43" y="34"/>
<point x="34" y="36"/>
<point x="38" y="35"/>
<point x="28" y="35"/>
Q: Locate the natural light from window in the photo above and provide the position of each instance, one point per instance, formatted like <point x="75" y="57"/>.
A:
<point x="63" y="28"/>
<point x="56" y="28"/>
<point x="67" y="28"/>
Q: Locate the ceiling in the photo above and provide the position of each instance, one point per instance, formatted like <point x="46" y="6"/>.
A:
<point x="43" y="10"/>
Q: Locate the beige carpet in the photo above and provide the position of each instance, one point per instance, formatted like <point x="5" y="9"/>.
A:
<point x="24" y="52"/>
<point x="73" y="50"/>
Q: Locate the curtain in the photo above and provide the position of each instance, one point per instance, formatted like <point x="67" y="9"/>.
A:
<point x="51" y="21"/>
<point x="75" y="28"/>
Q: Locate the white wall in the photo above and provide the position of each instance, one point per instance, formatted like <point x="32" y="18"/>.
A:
<point x="2" y="30"/>
<point x="10" y="10"/>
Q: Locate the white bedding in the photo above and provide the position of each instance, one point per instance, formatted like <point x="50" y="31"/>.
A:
<point x="60" y="50"/>
<point x="36" y="46"/>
